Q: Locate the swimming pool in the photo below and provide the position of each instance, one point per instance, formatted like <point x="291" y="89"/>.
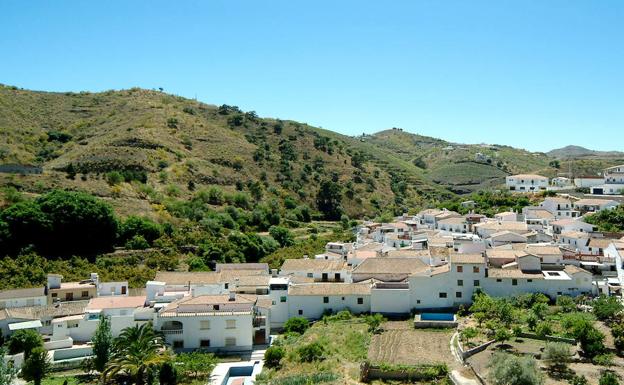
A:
<point x="437" y="317"/>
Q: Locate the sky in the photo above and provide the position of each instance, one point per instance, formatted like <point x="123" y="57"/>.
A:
<point x="528" y="73"/>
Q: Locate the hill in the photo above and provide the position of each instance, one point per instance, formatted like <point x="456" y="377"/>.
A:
<point x="166" y="147"/>
<point x="576" y="152"/>
<point x="461" y="168"/>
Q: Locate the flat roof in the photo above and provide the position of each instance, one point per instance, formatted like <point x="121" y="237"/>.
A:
<point x="25" y="325"/>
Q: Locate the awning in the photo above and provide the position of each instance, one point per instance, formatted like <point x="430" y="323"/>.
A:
<point x="25" y="325"/>
<point x="592" y="263"/>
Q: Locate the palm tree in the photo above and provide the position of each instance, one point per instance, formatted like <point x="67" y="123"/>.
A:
<point x="137" y="352"/>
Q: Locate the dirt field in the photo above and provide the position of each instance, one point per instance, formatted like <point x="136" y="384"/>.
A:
<point x="400" y="343"/>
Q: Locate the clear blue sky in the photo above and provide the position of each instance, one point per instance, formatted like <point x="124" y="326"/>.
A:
<point x="529" y="73"/>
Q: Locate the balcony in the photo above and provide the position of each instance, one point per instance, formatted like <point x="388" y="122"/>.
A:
<point x="169" y="332"/>
<point x="259" y="321"/>
<point x="172" y="328"/>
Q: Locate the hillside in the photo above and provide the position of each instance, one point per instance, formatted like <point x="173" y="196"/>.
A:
<point x="168" y="147"/>
<point x="461" y="168"/>
<point x="576" y="152"/>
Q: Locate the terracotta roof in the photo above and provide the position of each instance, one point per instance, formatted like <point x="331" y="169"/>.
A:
<point x="571" y="269"/>
<point x="404" y="265"/>
<point x="507" y="232"/>
<point x="574" y="234"/>
<point x="22" y="293"/>
<point x="406" y="253"/>
<point x="49" y="311"/>
<point x="467" y="258"/>
<point x="184" y="278"/>
<point x="330" y="289"/>
<point x="440" y="269"/>
<point x="543" y="250"/>
<point x="602" y="243"/>
<point x="500" y="226"/>
<point x="313" y="265"/>
<point x="116" y="302"/>
<point x="242" y="266"/>
<point x="539" y="213"/>
<point x="504" y="253"/>
<point x="253" y="280"/>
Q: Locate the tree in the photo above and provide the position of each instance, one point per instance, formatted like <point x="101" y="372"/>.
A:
<point x="282" y="235"/>
<point x="25" y="340"/>
<point x="374" y="322"/>
<point x="557" y="354"/>
<point x="313" y="351"/>
<point x="168" y="374"/>
<point x="617" y="331"/>
<point x="566" y="303"/>
<point x="273" y="356"/>
<point x="8" y="372"/>
<point x="102" y="342"/>
<point x="606" y="307"/>
<point x="329" y="200"/>
<point x="133" y="226"/>
<point x="507" y="369"/>
<point x="36" y="366"/>
<point x="296" y="325"/>
<point x="502" y="334"/>
<point x="196" y="365"/>
<point x="137" y="352"/>
<point x="608" y="378"/>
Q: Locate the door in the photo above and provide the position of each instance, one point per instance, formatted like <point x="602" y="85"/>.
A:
<point x="69" y="296"/>
<point x="260" y="337"/>
<point x="324" y="277"/>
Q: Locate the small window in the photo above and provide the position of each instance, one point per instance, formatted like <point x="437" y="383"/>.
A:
<point x="85" y="294"/>
<point x="418" y="302"/>
<point x="216" y="307"/>
<point x="300" y="312"/>
<point x="204" y="343"/>
<point x="499" y="280"/>
<point x="54" y="295"/>
<point x="360" y="301"/>
<point x="204" y="325"/>
<point x="514" y="282"/>
<point x="178" y="344"/>
<point x="226" y="285"/>
<point x="475" y="269"/>
<point x="476" y="283"/>
<point x="460" y="282"/>
<point x="442" y="295"/>
<point x="310" y="275"/>
<point x="230" y="341"/>
<point x="124" y="290"/>
<point x="230" y="324"/>
<point x="458" y="294"/>
<point x="529" y="280"/>
<point x="283" y="299"/>
<point x="460" y="269"/>
<point x="325" y="299"/>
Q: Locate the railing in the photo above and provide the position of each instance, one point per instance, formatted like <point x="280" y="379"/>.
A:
<point x="171" y="331"/>
<point x="259" y="321"/>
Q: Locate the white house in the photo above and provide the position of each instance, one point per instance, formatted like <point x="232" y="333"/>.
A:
<point x="526" y="182"/>
<point x="559" y="207"/>
<point x="588" y="181"/>
<point x="320" y="270"/>
<point x="595" y="205"/>
<point x="23" y="297"/>
<point x="613" y="183"/>
<point x="564" y="225"/>
<point x="506" y="216"/>
<point x="505" y="238"/>
<point x="453" y="225"/>
<point x="233" y="322"/>
<point x="312" y="300"/>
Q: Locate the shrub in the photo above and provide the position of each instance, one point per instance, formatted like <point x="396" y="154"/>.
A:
<point x="566" y="303"/>
<point x="273" y="356"/>
<point x="133" y="226"/>
<point x="543" y="329"/>
<point x="605" y="359"/>
<point x="282" y="235"/>
<point x="168" y="374"/>
<point x="296" y="325"/>
<point x="313" y="351"/>
<point x="25" y="341"/>
<point x="114" y="178"/>
<point x="137" y="243"/>
<point x="605" y="308"/>
<point x="36" y="366"/>
<point x="608" y="378"/>
<point x="507" y="369"/>
<point x="374" y="322"/>
<point x="557" y="354"/>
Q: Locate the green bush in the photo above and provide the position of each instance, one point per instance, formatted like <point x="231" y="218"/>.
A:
<point x="137" y="243"/>
<point x="608" y="378"/>
<point x="24" y="340"/>
<point x="313" y="351"/>
<point x="507" y="369"/>
<point x="296" y="325"/>
<point x="273" y="356"/>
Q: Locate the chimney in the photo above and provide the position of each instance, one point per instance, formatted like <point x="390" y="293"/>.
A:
<point x="232" y="296"/>
<point x="273" y="273"/>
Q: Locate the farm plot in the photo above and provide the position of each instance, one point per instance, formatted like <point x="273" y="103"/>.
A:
<point x="402" y="344"/>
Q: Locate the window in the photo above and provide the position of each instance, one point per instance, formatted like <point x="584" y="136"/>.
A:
<point x="476" y="283"/>
<point x="69" y="296"/>
<point x="230" y="341"/>
<point x="337" y="276"/>
<point x="300" y="312"/>
<point x="460" y="269"/>
<point x="475" y="269"/>
<point x="283" y="298"/>
<point x="226" y="285"/>
<point x="204" y="325"/>
<point x="460" y="282"/>
<point x="514" y="282"/>
<point x="72" y="324"/>
<point x="360" y="300"/>
<point x="204" y="343"/>
<point x="179" y="344"/>
<point x="230" y="324"/>
<point x="325" y="299"/>
<point x="324" y="277"/>
<point x="458" y="294"/>
<point x="310" y="275"/>
<point x="215" y="307"/>
<point x="442" y="295"/>
<point x="54" y="295"/>
<point x="529" y="280"/>
<point x="499" y="280"/>
<point x="124" y="290"/>
<point x="85" y="293"/>
<point x="418" y="302"/>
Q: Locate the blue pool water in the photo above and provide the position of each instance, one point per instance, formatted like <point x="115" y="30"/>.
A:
<point x="437" y="317"/>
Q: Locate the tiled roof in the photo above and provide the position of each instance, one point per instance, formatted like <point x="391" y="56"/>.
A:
<point x="330" y="289"/>
<point x="574" y="234"/>
<point x="467" y="258"/>
<point x="571" y="269"/>
<point x="602" y="243"/>
<point x="390" y="266"/>
<point x="22" y="293"/>
<point x="312" y="265"/>
<point x="593" y="202"/>
<point x="49" y="311"/>
<point x="242" y="266"/>
<point x="543" y="250"/>
<point x="184" y="278"/>
<point x="514" y="273"/>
